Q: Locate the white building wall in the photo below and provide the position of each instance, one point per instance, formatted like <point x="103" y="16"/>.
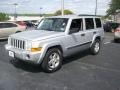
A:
<point x="25" y="18"/>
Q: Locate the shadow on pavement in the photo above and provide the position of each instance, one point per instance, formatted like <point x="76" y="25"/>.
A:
<point x="26" y="66"/>
<point x="76" y="56"/>
<point x="3" y="40"/>
<point x="36" y="68"/>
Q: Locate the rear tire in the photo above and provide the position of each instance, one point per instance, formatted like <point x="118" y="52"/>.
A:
<point x="116" y="40"/>
<point x="52" y="60"/>
<point x="17" y="31"/>
<point x="95" y="48"/>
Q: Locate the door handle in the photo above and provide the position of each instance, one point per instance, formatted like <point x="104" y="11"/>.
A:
<point x="83" y="34"/>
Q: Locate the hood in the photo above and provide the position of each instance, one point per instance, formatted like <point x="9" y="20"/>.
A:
<point x="36" y="35"/>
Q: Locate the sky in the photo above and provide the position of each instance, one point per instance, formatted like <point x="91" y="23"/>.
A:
<point x="50" y="6"/>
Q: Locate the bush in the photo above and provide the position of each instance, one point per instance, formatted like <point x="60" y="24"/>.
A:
<point x="3" y="17"/>
<point x="66" y="12"/>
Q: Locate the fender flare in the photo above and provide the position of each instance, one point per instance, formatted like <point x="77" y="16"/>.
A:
<point x="94" y="37"/>
<point x="46" y="47"/>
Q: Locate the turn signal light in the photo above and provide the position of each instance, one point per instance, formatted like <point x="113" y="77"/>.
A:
<point x="36" y="49"/>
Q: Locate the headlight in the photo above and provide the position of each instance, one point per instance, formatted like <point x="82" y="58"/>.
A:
<point x="36" y="47"/>
<point x="35" y="44"/>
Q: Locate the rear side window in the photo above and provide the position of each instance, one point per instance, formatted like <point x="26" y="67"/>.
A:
<point x="98" y="22"/>
<point x="9" y="25"/>
<point x="89" y="23"/>
<point x="1" y="25"/>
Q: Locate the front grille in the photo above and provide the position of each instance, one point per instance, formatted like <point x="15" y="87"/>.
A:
<point x="20" y="44"/>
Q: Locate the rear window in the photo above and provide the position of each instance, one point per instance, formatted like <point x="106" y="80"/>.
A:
<point x="89" y="23"/>
<point x="98" y="22"/>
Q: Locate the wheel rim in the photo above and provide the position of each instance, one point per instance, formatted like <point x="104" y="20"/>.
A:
<point x="97" y="47"/>
<point x="54" y="60"/>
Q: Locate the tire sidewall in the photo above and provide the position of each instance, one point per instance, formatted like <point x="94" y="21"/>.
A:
<point x="92" y="49"/>
<point x="45" y="65"/>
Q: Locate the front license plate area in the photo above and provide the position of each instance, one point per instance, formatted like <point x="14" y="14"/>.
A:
<point x="11" y="54"/>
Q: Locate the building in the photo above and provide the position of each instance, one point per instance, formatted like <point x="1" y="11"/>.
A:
<point x="25" y="18"/>
<point x="116" y="17"/>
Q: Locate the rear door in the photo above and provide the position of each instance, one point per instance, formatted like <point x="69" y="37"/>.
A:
<point x="1" y="30"/>
<point x="8" y="29"/>
<point x="89" y="29"/>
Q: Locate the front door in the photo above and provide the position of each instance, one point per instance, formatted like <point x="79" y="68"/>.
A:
<point x="76" y="37"/>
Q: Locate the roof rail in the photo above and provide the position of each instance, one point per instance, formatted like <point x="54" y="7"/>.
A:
<point x="88" y="15"/>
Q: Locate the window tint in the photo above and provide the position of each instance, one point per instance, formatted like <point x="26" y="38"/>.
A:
<point x="1" y="25"/>
<point x="98" y="22"/>
<point x="76" y="25"/>
<point x="89" y="23"/>
<point x="9" y="25"/>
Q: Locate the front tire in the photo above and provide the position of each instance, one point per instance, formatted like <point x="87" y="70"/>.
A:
<point x="95" y="48"/>
<point x="52" y="60"/>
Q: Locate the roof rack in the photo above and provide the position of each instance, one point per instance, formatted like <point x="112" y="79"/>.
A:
<point x="88" y="15"/>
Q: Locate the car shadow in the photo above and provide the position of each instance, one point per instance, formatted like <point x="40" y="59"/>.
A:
<point x="37" y="68"/>
<point x="25" y="66"/>
<point x="76" y="56"/>
<point x="113" y="41"/>
<point x="3" y="40"/>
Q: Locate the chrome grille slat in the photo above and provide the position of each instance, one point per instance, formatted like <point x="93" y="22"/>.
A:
<point x="19" y="44"/>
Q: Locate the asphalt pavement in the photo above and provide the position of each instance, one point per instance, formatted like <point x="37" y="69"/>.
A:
<point x="79" y="72"/>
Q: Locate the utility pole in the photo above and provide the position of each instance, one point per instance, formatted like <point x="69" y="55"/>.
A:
<point x="62" y="7"/>
<point x="15" y="12"/>
<point x="96" y="6"/>
<point x="40" y="11"/>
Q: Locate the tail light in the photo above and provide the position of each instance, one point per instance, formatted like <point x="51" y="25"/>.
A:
<point x="117" y="30"/>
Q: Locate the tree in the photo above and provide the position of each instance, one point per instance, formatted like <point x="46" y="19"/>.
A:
<point x="3" y="17"/>
<point x="66" y="12"/>
<point x="114" y="5"/>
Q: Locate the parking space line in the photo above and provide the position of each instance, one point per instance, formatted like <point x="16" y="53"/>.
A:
<point x="107" y="43"/>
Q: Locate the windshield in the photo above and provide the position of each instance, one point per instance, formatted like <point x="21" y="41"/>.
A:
<point x="53" y="24"/>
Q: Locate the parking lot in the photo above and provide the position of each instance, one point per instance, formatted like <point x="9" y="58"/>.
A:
<point x="79" y="72"/>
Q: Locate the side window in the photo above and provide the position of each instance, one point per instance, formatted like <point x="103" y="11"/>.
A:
<point x="98" y="22"/>
<point x="89" y="23"/>
<point x="1" y="25"/>
<point x="76" y="25"/>
<point x="9" y="25"/>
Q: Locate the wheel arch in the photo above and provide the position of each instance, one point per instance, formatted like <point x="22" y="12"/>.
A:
<point x="96" y="37"/>
<point x="48" y="47"/>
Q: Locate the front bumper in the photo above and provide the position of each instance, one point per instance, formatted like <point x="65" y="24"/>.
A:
<point x="25" y="55"/>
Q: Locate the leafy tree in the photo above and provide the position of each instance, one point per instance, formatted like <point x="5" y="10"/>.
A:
<point x="114" y="5"/>
<point x="66" y="12"/>
<point x="3" y="17"/>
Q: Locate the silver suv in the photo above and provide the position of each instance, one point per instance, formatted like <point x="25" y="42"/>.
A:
<point x="55" y="38"/>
